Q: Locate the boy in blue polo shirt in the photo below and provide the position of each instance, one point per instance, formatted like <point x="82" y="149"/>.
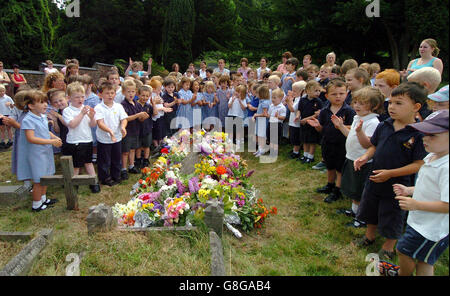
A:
<point x="333" y="141"/>
<point x="397" y="152"/>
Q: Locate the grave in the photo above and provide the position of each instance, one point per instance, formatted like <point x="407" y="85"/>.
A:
<point x="12" y="194"/>
<point x="70" y="182"/>
<point x="22" y="262"/>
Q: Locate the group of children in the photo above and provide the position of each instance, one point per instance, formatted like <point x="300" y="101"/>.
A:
<point x="370" y="127"/>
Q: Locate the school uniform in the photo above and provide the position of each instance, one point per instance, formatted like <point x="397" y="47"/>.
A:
<point x="333" y="141"/>
<point x="184" y="112"/>
<point x="109" y="153"/>
<point x="294" y="126"/>
<point x="352" y="184"/>
<point x="79" y="139"/>
<point x="308" y="107"/>
<point x="158" y="131"/>
<point x="261" y="122"/>
<point x="146" y="126"/>
<point x="287" y="85"/>
<point x="169" y="116"/>
<point x="34" y="160"/>
<point x="394" y="149"/>
<point x="130" y="142"/>
<point x="93" y="100"/>
<point x="274" y="122"/>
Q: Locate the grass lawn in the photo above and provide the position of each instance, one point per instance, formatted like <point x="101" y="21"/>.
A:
<point x="305" y="238"/>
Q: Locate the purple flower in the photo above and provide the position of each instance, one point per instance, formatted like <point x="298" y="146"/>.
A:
<point x="235" y="164"/>
<point x="193" y="185"/>
<point x="250" y="173"/>
<point x="170" y="181"/>
<point x="181" y="187"/>
<point x="229" y="172"/>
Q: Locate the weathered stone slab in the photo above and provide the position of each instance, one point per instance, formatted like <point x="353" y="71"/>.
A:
<point x="148" y="229"/>
<point x="217" y="262"/>
<point x="12" y="194"/>
<point x="22" y="262"/>
<point x="15" y="236"/>
<point x="100" y="218"/>
<point x="188" y="164"/>
<point x="214" y="215"/>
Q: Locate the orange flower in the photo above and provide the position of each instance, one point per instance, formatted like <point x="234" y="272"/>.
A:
<point x="140" y="181"/>
<point x="274" y="210"/>
<point x="220" y="170"/>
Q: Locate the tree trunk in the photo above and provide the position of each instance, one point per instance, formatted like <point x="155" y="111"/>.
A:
<point x="393" y="46"/>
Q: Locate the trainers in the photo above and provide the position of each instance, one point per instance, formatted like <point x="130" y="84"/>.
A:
<point x="95" y="188"/>
<point x="133" y="170"/>
<point x="124" y="175"/>
<point x="388" y="269"/>
<point x="50" y="201"/>
<point x="42" y="207"/>
<point x="327" y="189"/>
<point x="346" y="212"/>
<point x="356" y="224"/>
<point x="333" y="196"/>
<point x="320" y="166"/>
<point x="302" y="158"/>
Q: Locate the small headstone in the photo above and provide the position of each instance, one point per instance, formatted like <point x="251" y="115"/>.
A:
<point x="188" y="164"/>
<point x="217" y="262"/>
<point x="12" y="194"/>
<point x="214" y="216"/>
<point x="100" y="218"/>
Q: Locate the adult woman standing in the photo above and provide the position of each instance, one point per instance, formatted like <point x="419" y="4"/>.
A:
<point x="4" y="78"/>
<point x="54" y="80"/>
<point x="428" y="51"/>
<point x="17" y="78"/>
<point x="284" y="57"/>
<point x="244" y="68"/>
<point x="176" y="69"/>
<point x="331" y="59"/>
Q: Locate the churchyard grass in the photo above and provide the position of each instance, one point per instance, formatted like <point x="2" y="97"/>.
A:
<point x="305" y="238"/>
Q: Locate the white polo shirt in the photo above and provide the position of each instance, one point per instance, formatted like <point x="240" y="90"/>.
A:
<point x="292" y="114"/>
<point x="112" y="117"/>
<point x="236" y="109"/>
<point x="280" y="108"/>
<point x="82" y="133"/>
<point x="3" y="109"/>
<point x="119" y="96"/>
<point x="352" y="145"/>
<point x="431" y="185"/>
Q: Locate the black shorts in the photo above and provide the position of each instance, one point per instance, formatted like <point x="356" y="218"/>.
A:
<point x="294" y="136"/>
<point x="145" y="140"/>
<point x="334" y="155"/>
<point x="81" y="153"/>
<point x="279" y="126"/>
<point x="129" y="143"/>
<point x="353" y="182"/>
<point x="309" y="135"/>
<point x="382" y="211"/>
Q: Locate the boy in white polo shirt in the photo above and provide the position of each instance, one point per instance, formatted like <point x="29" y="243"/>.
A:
<point x="111" y="121"/>
<point x="276" y="114"/>
<point x="80" y="119"/>
<point x="6" y="105"/>
<point x="426" y="234"/>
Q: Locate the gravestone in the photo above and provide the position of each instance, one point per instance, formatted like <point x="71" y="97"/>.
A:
<point x="22" y="262"/>
<point x="214" y="216"/>
<point x="100" y="218"/>
<point x="217" y="262"/>
<point x="70" y="182"/>
<point x="12" y="194"/>
<point x="15" y="236"/>
<point x="188" y="164"/>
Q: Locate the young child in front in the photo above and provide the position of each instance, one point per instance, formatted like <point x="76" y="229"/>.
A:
<point x="368" y="104"/>
<point x="130" y="141"/>
<point x="397" y="152"/>
<point x="80" y="120"/>
<point x="260" y="117"/>
<point x="426" y="234"/>
<point x="308" y="108"/>
<point x="112" y="121"/>
<point x="236" y="109"/>
<point x="35" y="148"/>
<point x="210" y="101"/>
<point x="6" y="104"/>
<point x="276" y="115"/>
<point x="333" y="141"/>
<point x="292" y="100"/>
<point x="223" y="94"/>
<point x="145" y="126"/>
<point x="170" y="98"/>
<point x="184" y="113"/>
